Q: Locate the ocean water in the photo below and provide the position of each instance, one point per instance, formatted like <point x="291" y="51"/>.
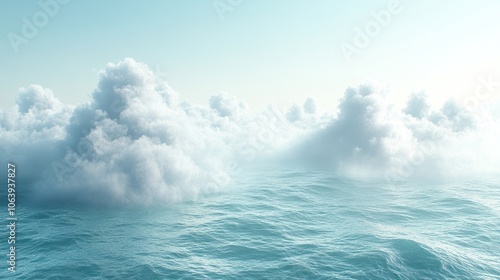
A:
<point x="273" y="223"/>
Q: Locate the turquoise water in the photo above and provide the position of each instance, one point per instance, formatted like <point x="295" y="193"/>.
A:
<point x="273" y="224"/>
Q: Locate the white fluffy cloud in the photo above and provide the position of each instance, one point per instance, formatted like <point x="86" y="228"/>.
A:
<point x="135" y="141"/>
<point x="370" y="137"/>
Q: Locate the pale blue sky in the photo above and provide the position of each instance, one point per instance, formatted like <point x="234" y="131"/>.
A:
<point x="262" y="52"/>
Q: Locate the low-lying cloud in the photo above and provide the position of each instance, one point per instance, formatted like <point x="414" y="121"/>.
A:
<point x="136" y="141"/>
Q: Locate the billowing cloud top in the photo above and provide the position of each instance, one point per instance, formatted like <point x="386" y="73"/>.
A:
<point x="136" y="142"/>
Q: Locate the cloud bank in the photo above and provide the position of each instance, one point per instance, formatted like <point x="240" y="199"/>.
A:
<point x="371" y="137"/>
<point x="136" y="141"/>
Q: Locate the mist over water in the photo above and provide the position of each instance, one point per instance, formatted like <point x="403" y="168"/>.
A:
<point x="136" y="141"/>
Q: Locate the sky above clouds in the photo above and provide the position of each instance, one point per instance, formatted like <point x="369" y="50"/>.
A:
<point x="259" y="51"/>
